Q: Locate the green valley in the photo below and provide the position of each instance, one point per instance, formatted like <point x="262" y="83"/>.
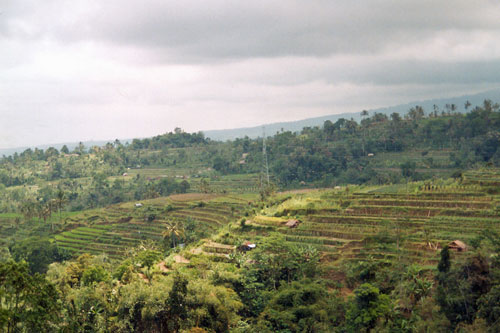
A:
<point x="391" y="224"/>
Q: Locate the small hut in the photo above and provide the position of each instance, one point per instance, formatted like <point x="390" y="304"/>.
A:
<point x="292" y="223"/>
<point x="247" y="246"/>
<point x="458" y="246"/>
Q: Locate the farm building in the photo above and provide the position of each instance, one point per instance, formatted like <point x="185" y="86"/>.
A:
<point x="292" y="223"/>
<point x="458" y="246"/>
<point x="247" y="246"/>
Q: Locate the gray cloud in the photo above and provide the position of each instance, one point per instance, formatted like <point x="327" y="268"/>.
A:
<point x="199" y="30"/>
<point x="83" y="69"/>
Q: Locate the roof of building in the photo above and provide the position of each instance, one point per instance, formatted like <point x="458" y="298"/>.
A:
<point x="292" y="223"/>
<point x="457" y="244"/>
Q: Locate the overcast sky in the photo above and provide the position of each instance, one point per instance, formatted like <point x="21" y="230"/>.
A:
<point x="77" y="70"/>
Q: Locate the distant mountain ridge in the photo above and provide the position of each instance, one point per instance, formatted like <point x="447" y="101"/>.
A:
<point x="294" y="126"/>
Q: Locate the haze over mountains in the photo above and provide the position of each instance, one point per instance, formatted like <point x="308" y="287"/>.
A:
<point x="271" y="129"/>
<point x="428" y="105"/>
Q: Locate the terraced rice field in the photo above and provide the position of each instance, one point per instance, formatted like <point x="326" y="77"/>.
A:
<point x="243" y="183"/>
<point x="436" y="162"/>
<point x="117" y="228"/>
<point x="393" y="226"/>
<point x="246" y="183"/>
<point x="14" y="226"/>
<point x="8" y="227"/>
<point x="483" y="178"/>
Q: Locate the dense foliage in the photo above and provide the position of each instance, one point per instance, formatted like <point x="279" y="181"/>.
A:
<point x="196" y="271"/>
<point x="337" y="153"/>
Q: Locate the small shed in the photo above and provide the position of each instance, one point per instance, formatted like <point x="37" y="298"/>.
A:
<point x="292" y="223"/>
<point x="458" y="246"/>
<point x="247" y="246"/>
<point x="371" y="154"/>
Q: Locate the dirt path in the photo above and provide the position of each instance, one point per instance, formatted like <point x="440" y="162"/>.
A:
<point x="162" y="267"/>
<point x="180" y="259"/>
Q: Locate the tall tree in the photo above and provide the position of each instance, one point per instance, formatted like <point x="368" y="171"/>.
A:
<point x="28" y="303"/>
<point x="61" y="200"/>
<point x="174" y="231"/>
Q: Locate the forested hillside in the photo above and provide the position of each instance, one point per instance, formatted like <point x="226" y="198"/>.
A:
<point x="387" y="225"/>
<point x="376" y="151"/>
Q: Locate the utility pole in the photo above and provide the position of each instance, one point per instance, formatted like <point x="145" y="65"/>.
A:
<point x="265" y="166"/>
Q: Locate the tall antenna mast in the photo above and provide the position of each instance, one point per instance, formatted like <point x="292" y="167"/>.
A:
<point x="265" y="166"/>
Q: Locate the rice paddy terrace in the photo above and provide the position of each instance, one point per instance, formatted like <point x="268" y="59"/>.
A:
<point x="237" y="183"/>
<point x="390" y="222"/>
<point x="114" y="229"/>
<point x="395" y="222"/>
<point x="435" y="162"/>
<point x="14" y="227"/>
<point x="8" y="227"/>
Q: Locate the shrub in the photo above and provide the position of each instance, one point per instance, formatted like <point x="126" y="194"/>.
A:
<point x="94" y="274"/>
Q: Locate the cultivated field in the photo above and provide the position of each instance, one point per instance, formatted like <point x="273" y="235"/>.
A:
<point x="407" y="223"/>
<point x="114" y="229"/>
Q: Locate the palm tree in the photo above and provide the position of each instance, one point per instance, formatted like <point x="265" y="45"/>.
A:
<point x="174" y="230"/>
<point x="45" y="213"/>
<point x="467" y="105"/>
<point x="453" y="108"/>
<point x="436" y="110"/>
<point x="61" y="200"/>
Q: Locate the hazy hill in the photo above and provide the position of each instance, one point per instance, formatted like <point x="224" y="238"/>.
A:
<point x="271" y="129"/>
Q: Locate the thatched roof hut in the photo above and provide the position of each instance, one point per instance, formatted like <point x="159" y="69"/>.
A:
<point x="457" y="245"/>
<point x="292" y="223"/>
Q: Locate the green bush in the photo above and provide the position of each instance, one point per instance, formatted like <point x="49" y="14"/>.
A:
<point x="94" y="274"/>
